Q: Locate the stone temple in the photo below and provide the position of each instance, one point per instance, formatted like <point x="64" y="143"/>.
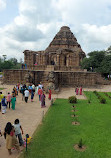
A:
<point x="57" y="66"/>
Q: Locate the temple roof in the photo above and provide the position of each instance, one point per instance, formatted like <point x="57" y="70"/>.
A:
<point x="64" y="39"/>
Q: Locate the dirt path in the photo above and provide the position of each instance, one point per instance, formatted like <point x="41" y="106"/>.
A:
<point x="30" y="114"/>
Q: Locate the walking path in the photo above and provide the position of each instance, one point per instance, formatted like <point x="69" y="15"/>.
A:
<point x="30" y="114"/>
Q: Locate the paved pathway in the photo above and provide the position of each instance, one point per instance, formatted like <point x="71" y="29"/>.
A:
<point x="30" y="114"/>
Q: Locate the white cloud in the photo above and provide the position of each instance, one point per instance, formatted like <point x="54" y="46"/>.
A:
<point x="2" y="4"/>
<point x="39" y="21"/>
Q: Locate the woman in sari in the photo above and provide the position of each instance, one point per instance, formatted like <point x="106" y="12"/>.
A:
<point x="49" y="97"/>
<point x="43" y="100"/>
<point x="77" y="91"/>
<point x="13" y="100"/>
<point x="10" y="137"/>
<point x="81" y="90"/>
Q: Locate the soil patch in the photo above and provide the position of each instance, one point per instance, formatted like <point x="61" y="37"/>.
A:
<point x="76" y="123"/>
<point x="76" y="147"/>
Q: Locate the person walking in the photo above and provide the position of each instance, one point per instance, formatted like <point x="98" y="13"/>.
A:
<point x="4" y="105"/>
<point x="1" y="97"/>
<point x="32" y="95"/>
<point x="26" y="95"/>
<point x="18" y="129"/>
<point x="8" y="99"/>
<point x="11" y="140"/>
<point x="13" y="101"/>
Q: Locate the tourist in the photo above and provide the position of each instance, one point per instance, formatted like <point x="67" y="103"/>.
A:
<point x="22" y="91"/>
<point x="81" y="90"/>
<point x="26" y="95"/>
<point x="43" y="100"/>
<point x="13" y="101"/>
<point x="8" y="99"/>
<point x="40" y="93"/>
<point x="18" y="129"/>
<point x="32" y="96"/>
<point x="49" y="97"/>
<point x="4" y="105"/>
<point x="36" y="89"/>
<point x="1" y="97"/>
<point x="40" y="85"/>
<point x="77" y="90"/>
<point x="10" y="138"/>
<point x="30" y="88"/>
<point x="33" y="88"/>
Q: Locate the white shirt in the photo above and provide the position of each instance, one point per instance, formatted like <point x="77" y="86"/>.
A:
<point x="40" y="86"/>
<point x="33" y="86"/>
<point x="17" y="128"/>
<point x="26" y="93"/>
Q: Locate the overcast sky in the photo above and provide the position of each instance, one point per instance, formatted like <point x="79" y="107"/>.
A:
<point x="32" y="24"/>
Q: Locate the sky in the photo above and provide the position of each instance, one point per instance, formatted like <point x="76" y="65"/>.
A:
<point x="32" y="24"/>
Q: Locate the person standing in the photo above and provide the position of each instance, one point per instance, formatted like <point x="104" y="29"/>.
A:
<point x="77" y="91"/>
<point x="40" y="93"/>
<point x="43" y="100"/>
<point x="8" y="99"/>
<point x="81" y="90"/>
<point x="49" y="97"/>
<point x="1" y="97"/>
<point x="4" y="105"/>
<point x="26" y="95"/>
<point x="13" y="101"/>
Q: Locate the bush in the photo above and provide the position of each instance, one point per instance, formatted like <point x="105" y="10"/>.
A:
<point x="89" y="101"/>
<point x="72" y="99"/>
<point x="102" y="100"/>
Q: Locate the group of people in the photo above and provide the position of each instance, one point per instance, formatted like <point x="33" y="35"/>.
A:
<point x="13" y="135"/>
<point x="13" y="132"/>
<point x="78" y="90"/>
<point x="6" y="101"/>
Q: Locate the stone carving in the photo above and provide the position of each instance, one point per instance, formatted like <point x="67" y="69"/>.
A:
<point x="51" y="80"/>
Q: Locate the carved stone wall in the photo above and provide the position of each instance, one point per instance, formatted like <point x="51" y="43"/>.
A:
<point x="61" y="78"/>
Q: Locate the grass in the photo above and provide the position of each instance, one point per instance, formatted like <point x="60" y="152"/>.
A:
<point x="56" y="137"/>
<point x="1" y="88"/>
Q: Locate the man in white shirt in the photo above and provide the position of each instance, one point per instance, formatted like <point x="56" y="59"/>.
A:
<point x="26" y="95"/>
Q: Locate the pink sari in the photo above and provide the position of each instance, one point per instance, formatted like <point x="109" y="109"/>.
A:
<point x="81" y="91"/>
<point x="77" y="90"/>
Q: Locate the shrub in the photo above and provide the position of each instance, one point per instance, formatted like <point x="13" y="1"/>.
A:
<point x="102" y="100"/>
<point x="72" y="99"/>
<point x="89" y="101"/>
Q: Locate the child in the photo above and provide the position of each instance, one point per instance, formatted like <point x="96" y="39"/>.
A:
<point x="18" y="129"/>
<point x="28" y="139"/>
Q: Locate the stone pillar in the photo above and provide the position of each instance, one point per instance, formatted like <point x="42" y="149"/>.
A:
<point x="67" y="60"/>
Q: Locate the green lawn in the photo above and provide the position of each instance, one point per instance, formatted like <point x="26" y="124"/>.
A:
<point x="56" y="137"/>
<point x="1" y="88"/>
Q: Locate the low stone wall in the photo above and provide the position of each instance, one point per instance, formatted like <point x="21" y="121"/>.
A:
<point x="62" y="79"/>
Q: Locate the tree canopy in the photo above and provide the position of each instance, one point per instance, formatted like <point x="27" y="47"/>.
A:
<point x="98" y="61"/>
<point x="11" y="63"/>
